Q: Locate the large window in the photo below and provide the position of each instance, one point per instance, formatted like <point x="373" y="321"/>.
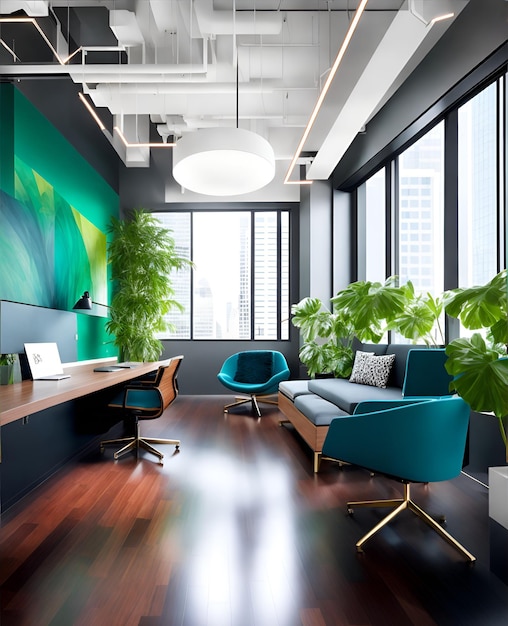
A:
<point x="375" y="227"/>
<point x="420" y="212"/>
<point x="477" y="189"/>
<point x="475" y="210"/>
<point x="239" y="288"/>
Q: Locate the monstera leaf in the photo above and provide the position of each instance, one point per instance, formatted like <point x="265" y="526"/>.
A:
<point x="311" y="318"/>
<point x="484" y="306"/>
<point x="480" y="376"/>
<point x="370" y="306"/>
<point x="420" y="317"/>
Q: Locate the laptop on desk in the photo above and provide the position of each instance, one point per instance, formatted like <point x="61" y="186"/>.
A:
<point x="44" y="361"/>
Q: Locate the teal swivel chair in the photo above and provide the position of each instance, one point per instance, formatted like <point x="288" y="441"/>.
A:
<point x="255" y="374"/>
<point x="410" y="442"/>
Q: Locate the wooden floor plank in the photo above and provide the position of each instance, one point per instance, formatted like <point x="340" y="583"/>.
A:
<point x="236" y="529"/>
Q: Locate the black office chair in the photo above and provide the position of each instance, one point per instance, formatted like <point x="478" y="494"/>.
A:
<point x="147" y="400"/>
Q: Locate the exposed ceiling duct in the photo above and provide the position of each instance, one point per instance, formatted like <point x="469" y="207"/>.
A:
<point x="166" y="68"/>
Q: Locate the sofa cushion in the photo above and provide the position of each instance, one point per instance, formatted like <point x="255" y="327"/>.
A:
<point x="376" y="370"/>
<point x="254" y="366"/>
<point x="376" y="348"/>
<point x="317" y="410"/>
<point x="347" y="395"/>
<point x="294" y="388"/>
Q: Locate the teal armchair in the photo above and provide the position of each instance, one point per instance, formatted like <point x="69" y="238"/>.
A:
<point x="408" y="441"/>
<point x="255" y="374"/>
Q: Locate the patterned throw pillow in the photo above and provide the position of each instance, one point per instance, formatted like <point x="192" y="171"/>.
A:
<point x="376" y="370"/>
<point x="356" y="373"/>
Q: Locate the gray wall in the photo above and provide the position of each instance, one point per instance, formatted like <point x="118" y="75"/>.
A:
<point x="344" y="237"/>
<point x="316" y="240"/>
<point x="20" y="323"/>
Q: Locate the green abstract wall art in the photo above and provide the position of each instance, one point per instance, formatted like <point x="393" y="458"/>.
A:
<point x="50" y="252"/>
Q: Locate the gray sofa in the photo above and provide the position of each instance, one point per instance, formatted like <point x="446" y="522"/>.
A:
<point x="310" y="405"/>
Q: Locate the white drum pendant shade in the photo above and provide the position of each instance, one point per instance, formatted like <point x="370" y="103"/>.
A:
<point x="223" y="161"/>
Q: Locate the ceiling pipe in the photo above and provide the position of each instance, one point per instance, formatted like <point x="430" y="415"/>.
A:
<point x="33" y="8"/>
<point x="255" y="86"/>
<point x="244" y="22"/>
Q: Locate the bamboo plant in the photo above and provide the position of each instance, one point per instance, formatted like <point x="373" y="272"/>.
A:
<point x="142" y="255"/>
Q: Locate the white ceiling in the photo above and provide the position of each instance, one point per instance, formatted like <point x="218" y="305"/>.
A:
<point x="179" y="65"/>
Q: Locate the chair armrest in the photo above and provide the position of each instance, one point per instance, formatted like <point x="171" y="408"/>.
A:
<point x="370" y="406"/>
<point x="279" y="377"/>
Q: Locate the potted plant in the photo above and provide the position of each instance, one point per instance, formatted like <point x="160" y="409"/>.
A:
<point x="365" y="310"/>
<point x="326" y="338"/>
<point x="7" y="368"/>
<point x="142" y="255"/>
<point x="479" y="363"/>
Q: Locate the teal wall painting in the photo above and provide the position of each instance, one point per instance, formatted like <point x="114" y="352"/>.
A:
<point x="54" y="213"/>
<point x="50" y="252"/>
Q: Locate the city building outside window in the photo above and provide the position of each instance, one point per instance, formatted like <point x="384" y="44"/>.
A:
<point x="239" y="288"/>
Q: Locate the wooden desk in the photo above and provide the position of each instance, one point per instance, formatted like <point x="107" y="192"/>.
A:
<point x="22" y="399"/>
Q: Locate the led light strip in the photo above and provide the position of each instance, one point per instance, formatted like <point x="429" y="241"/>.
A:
<point x="33" y="21"/>
<point x="126" y="143"/>
<point x="141" y="144"/>
<point x="91" y="111"/>
<point x="440" y="18"/>
<point x="322" y="95"/>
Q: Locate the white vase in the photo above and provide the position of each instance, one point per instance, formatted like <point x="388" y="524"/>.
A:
<point x="498" y="495"/>
<point x="498" y="522"/>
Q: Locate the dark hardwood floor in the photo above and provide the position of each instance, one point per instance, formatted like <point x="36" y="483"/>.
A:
<point x="236" y="530"/>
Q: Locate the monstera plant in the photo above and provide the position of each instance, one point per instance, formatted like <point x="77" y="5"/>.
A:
<point x="326" y="338"/>
<point x="365" y="310"/>
<point x="142" y="255"/>
<point x="479" y="363"/>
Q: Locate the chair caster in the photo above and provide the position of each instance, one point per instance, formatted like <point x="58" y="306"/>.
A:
<point x="441" y="519"/>
<point x="350" y="511"/>
<point x="177" y="448"/>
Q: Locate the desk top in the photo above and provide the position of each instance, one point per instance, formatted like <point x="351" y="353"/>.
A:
<point x="22" y="399"/>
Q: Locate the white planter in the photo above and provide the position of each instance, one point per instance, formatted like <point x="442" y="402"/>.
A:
<point x="498" y="522"/>
<point x="498" y="495"/>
